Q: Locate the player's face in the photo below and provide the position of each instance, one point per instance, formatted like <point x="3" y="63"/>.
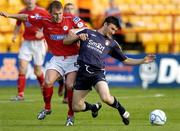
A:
<point x="30" y="3"/>
<point x="57" y="15"/>
<point x="69" y="9"/>
<point x="110" y="29"/>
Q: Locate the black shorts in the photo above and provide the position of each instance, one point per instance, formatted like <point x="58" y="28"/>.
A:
<point x="88" y="77"/>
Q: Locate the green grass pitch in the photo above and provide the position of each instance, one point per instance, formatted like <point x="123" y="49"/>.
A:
<point x="21" y="116"/>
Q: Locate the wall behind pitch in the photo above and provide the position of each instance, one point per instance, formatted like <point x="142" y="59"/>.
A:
<point x="9" y="70"/>
<point x="164" y="72"/>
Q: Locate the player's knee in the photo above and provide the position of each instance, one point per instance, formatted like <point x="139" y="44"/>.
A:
<point x="22" y="70"/>
<point x="37" y="71"/>
<point x="48" y="83"/>
<point x="77" y="107"/>
<point x="69" y="85"/>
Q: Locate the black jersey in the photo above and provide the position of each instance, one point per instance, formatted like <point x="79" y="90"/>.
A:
<point x="96" y="47"/>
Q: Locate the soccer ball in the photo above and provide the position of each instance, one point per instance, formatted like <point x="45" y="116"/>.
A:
<point x="157" y="117"/>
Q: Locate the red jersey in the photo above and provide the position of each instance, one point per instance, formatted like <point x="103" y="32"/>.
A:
<point x="30" y="30"/>
<point x="54" y="33"/>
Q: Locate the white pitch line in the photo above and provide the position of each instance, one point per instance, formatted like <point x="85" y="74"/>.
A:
<point x="27" y="100"/>
<point x="8" y="101"/>
<point x="120" y="97"/>
<point x="141" y="96"/>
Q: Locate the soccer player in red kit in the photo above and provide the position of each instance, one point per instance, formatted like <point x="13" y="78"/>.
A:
<point x="33" y="46"/>
<point x="63" y="63"/>
<point x="68" y="8"/>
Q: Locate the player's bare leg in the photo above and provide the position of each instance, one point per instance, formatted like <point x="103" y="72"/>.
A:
<point x="39" y="74"/>
<point x="61" y="87"/>
<point x="104" y="93"/>
<point x="65" y="99"/>
<point x="80" y="105"/>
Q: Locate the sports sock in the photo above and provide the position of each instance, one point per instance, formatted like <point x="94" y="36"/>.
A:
<point x="89" y="106"/>
<point x="47" y="95"/>
<point x="21" y="82"/>
<point x="40" y="79"/>
<point x="118" y="106"/>
<point x="69" y="96"/>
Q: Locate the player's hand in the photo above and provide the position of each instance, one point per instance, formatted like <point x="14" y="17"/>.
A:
<point x="14" y="39"/>
<point x="149" y="58"/>
<point x="3" y="14"/>
<point x="83" y="36"/>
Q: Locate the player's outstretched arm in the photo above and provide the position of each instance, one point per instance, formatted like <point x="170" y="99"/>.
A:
<point x="72" y="36"/>
<point x="147" y="59"/>
<point x="15" y="33"/>
<point x="14" y="16"/>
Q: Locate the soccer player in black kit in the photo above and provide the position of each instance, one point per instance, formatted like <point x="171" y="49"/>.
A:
<point x="94" y="46"/>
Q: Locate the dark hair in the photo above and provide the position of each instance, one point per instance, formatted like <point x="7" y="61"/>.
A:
<point x="67" y="4"/>
<point x="55" y="4"/>
<point x="112" y="20"/>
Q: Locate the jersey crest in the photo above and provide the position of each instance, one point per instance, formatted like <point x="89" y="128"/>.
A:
<point x="65" y="28"/>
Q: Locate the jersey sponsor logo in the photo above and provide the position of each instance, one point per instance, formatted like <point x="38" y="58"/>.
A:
<point x="76" y="19"/>
<point x="80" y="24"/>
<point x="36" y="16"/>
<point x="57" y="37"/>
<point x="96" y="46"/>
<point x="65" y="28"/>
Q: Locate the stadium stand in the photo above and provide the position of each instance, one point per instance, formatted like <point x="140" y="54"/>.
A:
<point x="156" y="23"/>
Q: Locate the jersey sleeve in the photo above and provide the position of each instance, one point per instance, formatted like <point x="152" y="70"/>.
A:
<point x="36" y="20"/>
<point x="78" y="22"/>
<point x="117" y="53"/>
<point x="80" y="31"/>
<point x="18" y="22"/>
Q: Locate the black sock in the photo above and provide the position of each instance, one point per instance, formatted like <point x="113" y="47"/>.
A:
<point x="118" y="106"/>
<point x="88" y="106"/>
